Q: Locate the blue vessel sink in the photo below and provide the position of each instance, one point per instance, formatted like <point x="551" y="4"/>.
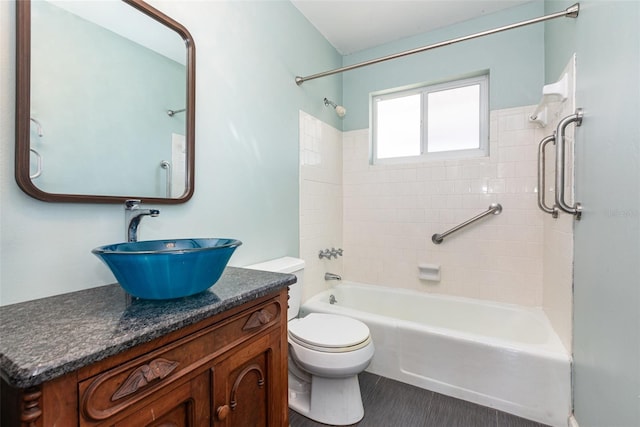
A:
<point x="166" y="269"/>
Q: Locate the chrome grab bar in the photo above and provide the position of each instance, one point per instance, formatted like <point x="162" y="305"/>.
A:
<point x="541" y="176"/>
<point x="560" y="136"/>
<point x="38" y="171"/>
<point x="494" y="208"/>
<point x="167" y="166"/>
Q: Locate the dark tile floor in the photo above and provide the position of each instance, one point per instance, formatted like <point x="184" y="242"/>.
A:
<point x="389" y="403"/>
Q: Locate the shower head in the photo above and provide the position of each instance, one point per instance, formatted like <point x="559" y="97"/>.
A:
<point x="340" y="110"/>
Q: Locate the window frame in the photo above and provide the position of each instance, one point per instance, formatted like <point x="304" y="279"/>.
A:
<point x="481" y="80"/>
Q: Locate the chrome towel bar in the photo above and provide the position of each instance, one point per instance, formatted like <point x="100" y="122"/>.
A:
<point x="494" y="208"/>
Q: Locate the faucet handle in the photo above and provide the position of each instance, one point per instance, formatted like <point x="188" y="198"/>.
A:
<point x="335" y="252"/>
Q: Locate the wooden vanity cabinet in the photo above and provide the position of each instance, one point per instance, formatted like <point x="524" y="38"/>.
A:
<point x="241" y="390"/>
<point x="227" y="370"/>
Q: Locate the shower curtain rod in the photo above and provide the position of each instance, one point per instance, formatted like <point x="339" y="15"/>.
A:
<point x="570" y="12"/>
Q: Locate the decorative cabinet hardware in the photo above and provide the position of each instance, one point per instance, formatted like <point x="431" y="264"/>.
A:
<point x="244" y="383"/>
<point x="156" y="370"/>
<point x="31" y="411"/>
<point x="222" y="412"/>
<point x="236" y="384"/>
<point x="258" y="319"/>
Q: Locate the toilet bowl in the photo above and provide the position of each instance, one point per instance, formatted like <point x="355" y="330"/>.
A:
<point x="326" y="354"/>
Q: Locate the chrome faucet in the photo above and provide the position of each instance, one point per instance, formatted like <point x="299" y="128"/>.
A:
<point x="133" y="215"/>
<point x="331" y="276"/>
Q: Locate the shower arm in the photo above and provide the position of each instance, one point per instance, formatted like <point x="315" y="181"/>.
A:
<point x="570" y="12"/>
<point x="172" y="113"/>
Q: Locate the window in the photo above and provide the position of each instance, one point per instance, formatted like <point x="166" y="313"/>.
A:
<point x="448" y="120"/>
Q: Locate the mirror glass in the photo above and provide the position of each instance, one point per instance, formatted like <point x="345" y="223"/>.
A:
<point x="105" y="109"/>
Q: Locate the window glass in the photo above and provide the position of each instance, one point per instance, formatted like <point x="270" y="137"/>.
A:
<point x="447" y="120"/>
<point x="399" y="127"/>
<point x="453" y="119"/>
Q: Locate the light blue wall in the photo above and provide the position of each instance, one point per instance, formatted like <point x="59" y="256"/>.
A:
<point x="606" y="343"/>
<point x="514" y="58"/>
<point x="247" y="104"/>
<point x="118" y="125"/>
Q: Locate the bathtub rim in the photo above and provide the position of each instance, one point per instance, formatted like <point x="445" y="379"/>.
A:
<point x="553" y="347"/>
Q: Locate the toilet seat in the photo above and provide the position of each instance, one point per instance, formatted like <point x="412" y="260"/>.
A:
<point x="329" y="333"/>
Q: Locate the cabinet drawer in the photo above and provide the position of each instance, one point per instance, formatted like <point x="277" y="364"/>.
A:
<point x="125" y="388"/>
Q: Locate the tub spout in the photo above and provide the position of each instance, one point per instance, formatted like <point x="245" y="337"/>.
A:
<point x="331" y="276"/>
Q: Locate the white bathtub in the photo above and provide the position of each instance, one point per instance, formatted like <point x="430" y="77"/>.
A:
<point x="500" y="355"/>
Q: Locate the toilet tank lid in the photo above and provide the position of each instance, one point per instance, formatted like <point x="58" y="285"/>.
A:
<point x="279" y="265"/>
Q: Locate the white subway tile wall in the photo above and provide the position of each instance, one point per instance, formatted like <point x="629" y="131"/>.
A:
<point x="320" y="200"/>
<point x="384" y="216"/>
<point x="391" y="211"/>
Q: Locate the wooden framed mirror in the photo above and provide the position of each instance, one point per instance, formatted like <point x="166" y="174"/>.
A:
<point x="105" y="103"/>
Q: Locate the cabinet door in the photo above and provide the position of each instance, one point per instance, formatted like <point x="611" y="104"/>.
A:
<point x="185" y="406"/>
<point x="247" y="385"/>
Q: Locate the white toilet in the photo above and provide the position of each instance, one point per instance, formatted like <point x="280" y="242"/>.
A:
<point x="326" y="354"/>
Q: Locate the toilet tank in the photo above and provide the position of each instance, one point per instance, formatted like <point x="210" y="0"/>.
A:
<point x="286" y="265"/>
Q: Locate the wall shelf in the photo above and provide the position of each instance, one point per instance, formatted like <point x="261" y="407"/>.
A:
<point x="553" y="92"/>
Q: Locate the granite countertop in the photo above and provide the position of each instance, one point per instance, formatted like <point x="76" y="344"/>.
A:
<point x="49" y="337"/>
